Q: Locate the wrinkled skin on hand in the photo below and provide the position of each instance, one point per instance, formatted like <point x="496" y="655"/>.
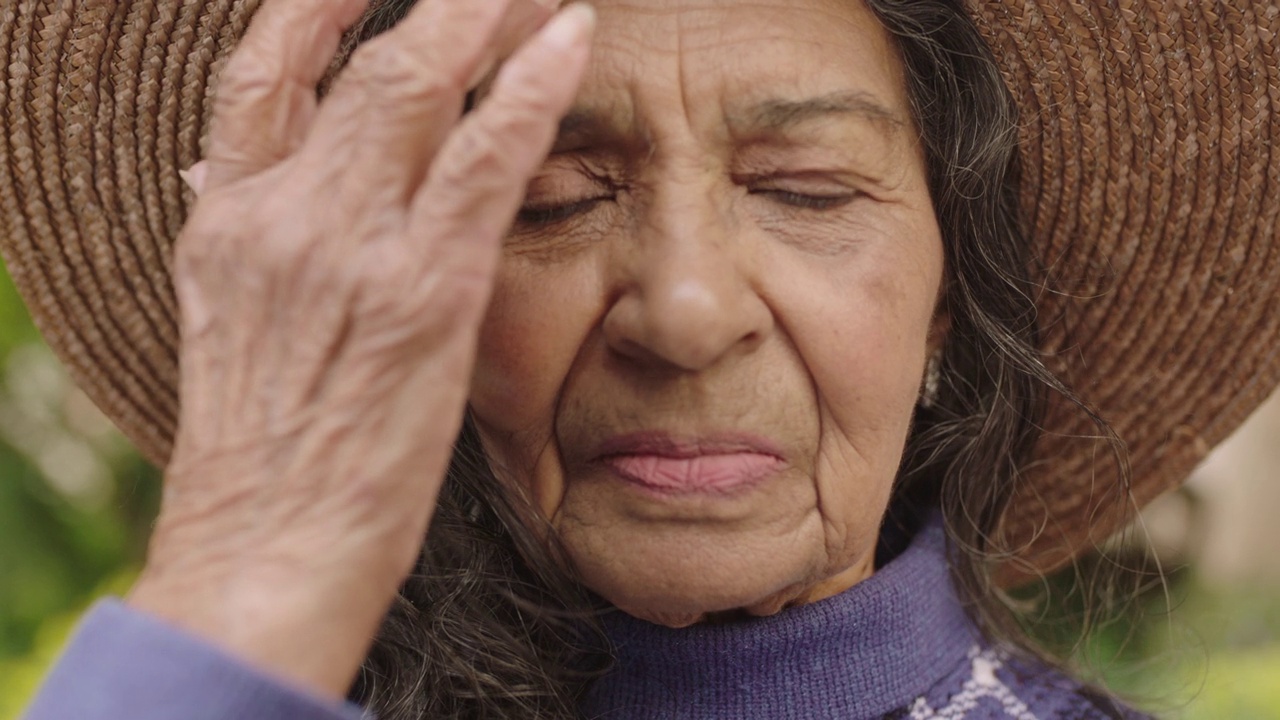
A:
<point x="332" y="279"/>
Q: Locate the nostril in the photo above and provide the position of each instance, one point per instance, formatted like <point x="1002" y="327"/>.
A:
<point x="637" y="352"/>
<point x="692" y="341"/>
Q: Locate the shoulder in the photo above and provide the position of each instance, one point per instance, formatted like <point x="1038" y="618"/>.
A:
<point x="994" y="685"/>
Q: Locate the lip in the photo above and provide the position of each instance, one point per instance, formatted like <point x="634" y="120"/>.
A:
<point x="704" y="464"/>
<point x="673" y="446"/>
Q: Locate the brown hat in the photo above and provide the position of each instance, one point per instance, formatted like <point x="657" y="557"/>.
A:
<point x="1150" y="184"/>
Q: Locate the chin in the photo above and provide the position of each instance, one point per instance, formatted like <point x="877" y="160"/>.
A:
<point x="695" y="605"/>
<point x="693" y="613"/>
<point x="685" y="591"/>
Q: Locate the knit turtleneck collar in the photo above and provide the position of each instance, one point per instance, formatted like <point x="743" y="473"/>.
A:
<point x="860" y="654"/>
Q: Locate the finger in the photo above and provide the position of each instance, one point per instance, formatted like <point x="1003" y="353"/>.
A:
<point x="403" y="91"/>
<point x="266" y="100"/>
<point x="522" y="20"/>
<point x="478" y="180"/>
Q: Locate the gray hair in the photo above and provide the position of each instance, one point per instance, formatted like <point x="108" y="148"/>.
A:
<point x="493" y="624"/>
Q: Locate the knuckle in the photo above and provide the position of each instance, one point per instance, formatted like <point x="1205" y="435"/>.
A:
<point x="275" y="248"/>
<point x="527" y="100"/>
<point x="201" y="244"/>
<point x="390" y="70"/>
<point x="475" y="15"/>
<point x="524" y="123"/>
<point x="261" y="244"/>
<point x="478" y="159"/>
<point x="499" y="148"/>
<point x="191" y="257"/>
<point x="247" y="77"/>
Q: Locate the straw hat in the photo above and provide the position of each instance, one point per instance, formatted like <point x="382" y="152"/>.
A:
<point x="1151" y="192"/>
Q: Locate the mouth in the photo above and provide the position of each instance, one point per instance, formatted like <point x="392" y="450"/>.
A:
<point x="709" y="464"/>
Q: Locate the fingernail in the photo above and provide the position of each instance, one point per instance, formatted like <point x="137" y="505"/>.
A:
<point x="195" y="176"/>
<point x="570" y="25"/>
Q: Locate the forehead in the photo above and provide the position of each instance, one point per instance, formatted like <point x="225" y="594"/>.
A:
<point x="737" y="54"/>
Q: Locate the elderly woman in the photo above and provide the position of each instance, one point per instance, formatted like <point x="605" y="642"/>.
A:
<point x="717" y="342"/>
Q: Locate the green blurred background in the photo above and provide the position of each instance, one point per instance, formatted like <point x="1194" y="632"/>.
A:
<point x="76" y="505"/>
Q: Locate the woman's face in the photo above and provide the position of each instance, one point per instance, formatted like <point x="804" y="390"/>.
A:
<point x="710" y="326"/>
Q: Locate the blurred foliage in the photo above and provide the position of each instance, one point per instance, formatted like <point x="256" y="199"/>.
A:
<point x="1177" y="647"/>
<point x="76" y="504"/>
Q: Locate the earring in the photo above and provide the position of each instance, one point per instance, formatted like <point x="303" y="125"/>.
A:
<point x="932" y="379"/>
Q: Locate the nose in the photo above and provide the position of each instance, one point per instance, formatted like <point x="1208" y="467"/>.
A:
<point x="687" y="297"/>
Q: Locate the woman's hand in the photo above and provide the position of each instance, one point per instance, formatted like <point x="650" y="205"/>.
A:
<point x="332" y="280"/>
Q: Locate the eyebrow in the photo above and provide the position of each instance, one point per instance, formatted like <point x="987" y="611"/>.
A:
<point x="581" y="120"/>
<point x="589" y="124"/>
<point x="770" y="116"/>
<point x="777" y="115"/>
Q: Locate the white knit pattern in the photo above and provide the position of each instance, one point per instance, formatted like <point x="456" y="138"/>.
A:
<point x="982" y="683"/>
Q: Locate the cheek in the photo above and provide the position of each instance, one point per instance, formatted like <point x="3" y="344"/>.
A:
<point x="868" y="360"/>
<point x="881" y="322"/>
<point x="861" y="326"/>
<point x="536" y="323"/>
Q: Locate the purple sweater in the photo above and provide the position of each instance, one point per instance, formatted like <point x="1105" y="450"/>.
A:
<point x="897" y="645"/>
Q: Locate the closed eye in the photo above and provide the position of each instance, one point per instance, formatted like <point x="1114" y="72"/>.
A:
<point x="541" y="215"/>
<point x="805" y="200"/>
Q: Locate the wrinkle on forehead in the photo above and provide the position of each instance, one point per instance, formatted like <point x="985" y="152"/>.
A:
<point x="848" y="119"/>
<point x="703" y="64"/>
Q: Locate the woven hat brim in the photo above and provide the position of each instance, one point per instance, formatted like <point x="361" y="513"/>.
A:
<point x="1150" y="191"/>
<point x="1151" y="188"/>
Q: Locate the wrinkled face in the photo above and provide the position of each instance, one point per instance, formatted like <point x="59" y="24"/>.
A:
<point x="710" y="326"/>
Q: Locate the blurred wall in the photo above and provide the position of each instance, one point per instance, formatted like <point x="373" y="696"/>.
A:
<point x="1238" y="490"/>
